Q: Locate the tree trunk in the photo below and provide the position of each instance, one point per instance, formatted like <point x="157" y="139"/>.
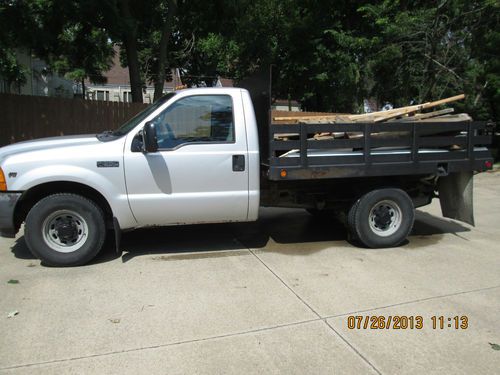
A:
<point x="129" y="38"/>
<point x="83" y="88"/>
<point x="162" y="60"/>
<point x="133" y="68"/>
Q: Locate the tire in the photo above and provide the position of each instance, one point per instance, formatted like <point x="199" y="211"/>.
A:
<point x="382" y="218"/>
<point x="65" y="230"/>
<point x="350" y="221"/>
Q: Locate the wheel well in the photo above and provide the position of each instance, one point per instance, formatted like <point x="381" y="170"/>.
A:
<point x="36" y="193"/>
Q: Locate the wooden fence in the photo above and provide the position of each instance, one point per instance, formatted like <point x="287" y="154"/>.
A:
<point x="28" y="117"/>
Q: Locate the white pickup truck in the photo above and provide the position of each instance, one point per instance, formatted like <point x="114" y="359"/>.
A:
<point x="193" y="157"/>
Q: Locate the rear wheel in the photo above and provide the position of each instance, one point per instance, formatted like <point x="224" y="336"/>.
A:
<point x="65" y="230"/>
<point x="350" y="221"/>
<point x="382" y="218"/>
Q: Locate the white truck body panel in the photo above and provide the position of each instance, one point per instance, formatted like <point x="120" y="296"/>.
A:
<point x="253" y="157"/>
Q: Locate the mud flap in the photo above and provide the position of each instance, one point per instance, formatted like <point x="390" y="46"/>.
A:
<point x="118" y="236"/>
<point x="455" y="195"/>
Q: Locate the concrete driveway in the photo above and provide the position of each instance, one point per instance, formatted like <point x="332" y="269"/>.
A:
<point x="267" y="297"/>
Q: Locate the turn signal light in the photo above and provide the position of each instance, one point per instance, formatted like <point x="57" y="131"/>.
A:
<point x="283" y="173"/>
<point x="3" y="183"/>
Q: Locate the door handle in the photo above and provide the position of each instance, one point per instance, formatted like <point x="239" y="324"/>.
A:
<point x="238" y="163"/>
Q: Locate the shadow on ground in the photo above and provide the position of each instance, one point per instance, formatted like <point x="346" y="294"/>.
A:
<point x="20" y="249"/>
<point x="283" y="226"/>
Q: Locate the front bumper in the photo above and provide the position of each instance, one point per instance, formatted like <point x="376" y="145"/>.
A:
<point x="8" y="201"/>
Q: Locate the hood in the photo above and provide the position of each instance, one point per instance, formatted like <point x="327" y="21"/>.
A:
<point x="47" y="144"/>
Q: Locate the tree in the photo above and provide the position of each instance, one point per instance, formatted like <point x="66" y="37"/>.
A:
<point x="328" y="54"/>
<point x="427" y="51"/>
<point x="143" y="30"/>
<point x="11" y="71"/>
<point x="167" y="19"/>
<point x="314" y="47"/>
<point x="331" y="55"/>
<point x="63" y="33"/>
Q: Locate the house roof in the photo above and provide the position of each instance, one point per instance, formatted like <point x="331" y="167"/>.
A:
<point x="226" y="82"/>
<point x="119" y="75"/>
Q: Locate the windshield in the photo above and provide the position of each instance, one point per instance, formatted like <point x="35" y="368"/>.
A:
<point x="134" y="121"/>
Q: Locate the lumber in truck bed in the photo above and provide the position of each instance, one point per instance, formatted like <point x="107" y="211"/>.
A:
<point x="418" y="148"/>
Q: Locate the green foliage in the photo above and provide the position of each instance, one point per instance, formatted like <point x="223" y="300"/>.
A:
<point x="10" y="69"/>
<point x="331" y="55"/>
<point x="428" y="52"/>
<point x="328" y="54"/>
<point x="64" y="33"/>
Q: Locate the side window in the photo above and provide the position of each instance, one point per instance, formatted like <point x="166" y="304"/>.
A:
<point x="198" y="118"/>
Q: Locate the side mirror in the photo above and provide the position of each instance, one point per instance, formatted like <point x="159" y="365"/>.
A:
<point x="150" y="140"/>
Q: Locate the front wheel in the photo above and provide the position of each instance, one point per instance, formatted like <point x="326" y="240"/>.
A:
<point x="382" y="218"/>
<point x="65" y="230"/>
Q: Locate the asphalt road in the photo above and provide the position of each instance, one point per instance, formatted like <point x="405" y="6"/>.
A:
<point x="273" y="296"/>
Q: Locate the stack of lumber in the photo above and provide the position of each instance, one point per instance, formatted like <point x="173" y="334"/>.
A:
<point x="410" y="113"/>
<point x="414" y="113"/>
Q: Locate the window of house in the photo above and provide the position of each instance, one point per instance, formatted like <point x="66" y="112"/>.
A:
<point x="102" y="95"/>
<point x="195" y="119"/>
<point x="127" y="96"/>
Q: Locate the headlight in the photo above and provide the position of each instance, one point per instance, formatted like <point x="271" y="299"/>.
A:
<point x="3" y="182"/>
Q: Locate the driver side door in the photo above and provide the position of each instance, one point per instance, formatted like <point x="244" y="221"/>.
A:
<point x="199" y="173"/>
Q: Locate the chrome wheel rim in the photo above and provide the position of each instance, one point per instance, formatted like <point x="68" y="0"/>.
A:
<point x="65" y="231"/>
<point x="385" y="218"/>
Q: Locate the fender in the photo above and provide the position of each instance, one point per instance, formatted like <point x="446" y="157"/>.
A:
<point x="69" y="173"/>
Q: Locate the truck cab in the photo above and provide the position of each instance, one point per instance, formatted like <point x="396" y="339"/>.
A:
<point x="204" y="165"/>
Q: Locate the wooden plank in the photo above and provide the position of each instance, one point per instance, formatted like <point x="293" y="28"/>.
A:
<point x="306" y="118"/>
<point x="459" y="117"/>
<point x="444" y="101"/>
<point x="371" y="116"/>
<point x="409" y="109"/>
<point x="392" y="115"/>
<point x="375" y="116"/>
<point x="422" y="116"/>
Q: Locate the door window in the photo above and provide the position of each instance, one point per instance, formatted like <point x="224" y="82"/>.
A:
<point x="196" y="119"/>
